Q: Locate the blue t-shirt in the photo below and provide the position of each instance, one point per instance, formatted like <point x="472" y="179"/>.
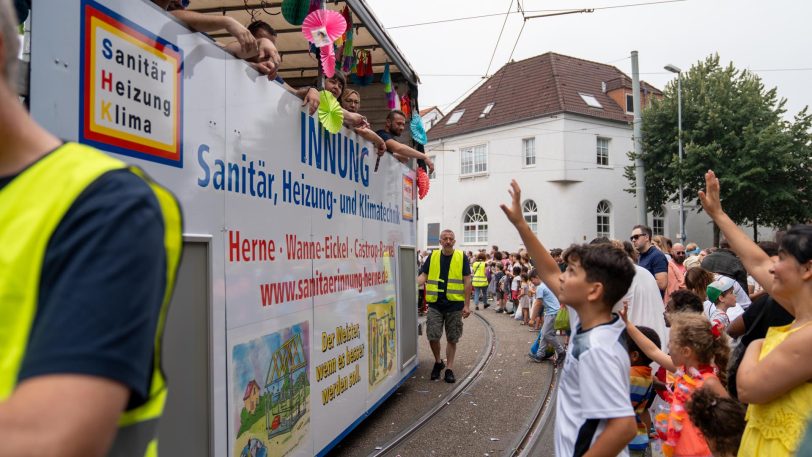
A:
<point x="654" y="261"/>
<point x="548" y="298"/>
<point x="101" y="287"/>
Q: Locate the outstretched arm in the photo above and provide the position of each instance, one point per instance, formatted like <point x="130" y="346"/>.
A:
<point x="646" y="345"/>
<point x="209" y="23"/>
<point x="401" y="149"/>
<point x="756" y="261"/>
<point x="369" y="135"/>
<point x="548" y="268"/>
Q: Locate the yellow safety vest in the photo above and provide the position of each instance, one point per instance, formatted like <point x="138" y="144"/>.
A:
<point x="454" y="286"/>
<point x="480" y="278"/>
<point x="31" y="207"/>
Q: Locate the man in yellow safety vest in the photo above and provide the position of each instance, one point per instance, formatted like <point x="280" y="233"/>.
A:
<point x="89" y="248"/>
<point x="447" y="276"/>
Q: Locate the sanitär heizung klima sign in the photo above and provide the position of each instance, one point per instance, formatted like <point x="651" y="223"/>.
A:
<point x="131" y="86"/>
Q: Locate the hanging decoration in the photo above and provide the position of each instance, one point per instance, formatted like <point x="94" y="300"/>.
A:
<point x="386" y="80"/>
<point x="347" y="54"/>
<point x="422" y="183"/>
<point x="363" y="69"/>
<point x="322" y="28"/>
<point x="416" y="127"/>
<point x="406" y="105"/>
<point x="315" y="5"/>
<point x="330" y="114"/>
<point x="294" y="11"/>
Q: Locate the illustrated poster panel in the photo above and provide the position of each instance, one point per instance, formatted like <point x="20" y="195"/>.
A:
<point x="270" y="388"/>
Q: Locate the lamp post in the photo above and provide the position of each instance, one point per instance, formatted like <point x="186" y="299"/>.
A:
<point x="674" y="69"/>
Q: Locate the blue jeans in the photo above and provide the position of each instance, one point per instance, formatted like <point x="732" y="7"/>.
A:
<point x="481" y="292"/>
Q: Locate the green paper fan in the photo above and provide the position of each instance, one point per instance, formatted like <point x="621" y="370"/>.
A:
<point x="294" y="11"/>
<point x="330" y="114"/>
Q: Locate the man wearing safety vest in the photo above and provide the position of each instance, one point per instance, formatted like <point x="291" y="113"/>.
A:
<point x="447" y="276"/>
<point x="89" y="248"/>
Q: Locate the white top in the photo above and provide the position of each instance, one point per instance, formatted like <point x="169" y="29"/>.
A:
<point x="646" y="306"/>
<point x="594" y="386"/>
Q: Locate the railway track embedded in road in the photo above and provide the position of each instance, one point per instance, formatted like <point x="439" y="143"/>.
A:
<point x="535" y="426"/>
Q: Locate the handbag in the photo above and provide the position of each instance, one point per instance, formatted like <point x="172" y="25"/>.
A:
<point x="562" y="319"/>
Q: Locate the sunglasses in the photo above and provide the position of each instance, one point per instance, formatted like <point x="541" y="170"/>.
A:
<point x="635" y="237"/>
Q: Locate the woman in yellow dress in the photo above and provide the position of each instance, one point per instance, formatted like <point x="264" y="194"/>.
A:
<point x="775" y="375"/>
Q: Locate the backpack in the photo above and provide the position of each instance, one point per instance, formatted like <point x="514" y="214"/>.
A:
<point x="506" y="284"/>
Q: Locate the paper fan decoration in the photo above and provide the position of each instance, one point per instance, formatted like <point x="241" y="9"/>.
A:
<point x="328" y="61"/>
<point x="323" y="27"/>
<point x="295" y="11"/>
<point x="418" y="132"/>
<point x="330" y="114"/>
<point x="422" y="183"/>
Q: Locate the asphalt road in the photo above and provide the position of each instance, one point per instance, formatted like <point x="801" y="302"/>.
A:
<point x="487" y="419"/>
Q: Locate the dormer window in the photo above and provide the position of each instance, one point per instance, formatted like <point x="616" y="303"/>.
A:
<point x="630" y="103"/>
<point x="591" y="100"/>
<point x="455" y="117"/>
<point x="487" y="110"/>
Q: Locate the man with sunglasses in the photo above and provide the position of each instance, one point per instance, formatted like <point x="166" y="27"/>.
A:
<point x="651" y="258"/>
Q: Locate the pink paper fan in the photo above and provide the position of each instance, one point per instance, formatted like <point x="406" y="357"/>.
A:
<point x="328" y="61"/>
<point x="323" y="27"/>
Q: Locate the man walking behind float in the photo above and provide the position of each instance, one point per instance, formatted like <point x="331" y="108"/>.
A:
<point x="447" y="276"/>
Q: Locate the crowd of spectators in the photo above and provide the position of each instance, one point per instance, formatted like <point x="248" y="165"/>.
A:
<point x="710" y="334"/>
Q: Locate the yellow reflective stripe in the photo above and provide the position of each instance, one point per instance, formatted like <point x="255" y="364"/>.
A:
<point x="173" y="243"/>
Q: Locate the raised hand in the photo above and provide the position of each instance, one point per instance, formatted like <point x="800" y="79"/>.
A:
<point x="624" y="313"/>
<point x="514" y="212"/>
<point x="710" y="199"/>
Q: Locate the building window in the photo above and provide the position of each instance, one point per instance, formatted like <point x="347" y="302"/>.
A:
<point x="630" y="103"/>
<point x="531" y="214"/>
<point x="455" y="117"/>
<point x="486" y="110"/>
<point x="433" y="234"/>
<point x="433" y="174"/>
<point x="604" y="215"/>
<point x="529" y="152"/>
<point x="658" y="223"/>
<point x="603" y="151"/>
<point x="475" y="225"/>
<point x="473" y="160"/>
<point x="591" y="101"/>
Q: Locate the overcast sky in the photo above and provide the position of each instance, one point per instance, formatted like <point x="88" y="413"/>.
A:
<point x="771" y="38"/>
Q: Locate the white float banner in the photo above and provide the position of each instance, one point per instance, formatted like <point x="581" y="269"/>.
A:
<point x="304" y="233"/>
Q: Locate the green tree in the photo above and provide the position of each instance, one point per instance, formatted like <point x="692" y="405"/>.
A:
<point x="733" y="125"/>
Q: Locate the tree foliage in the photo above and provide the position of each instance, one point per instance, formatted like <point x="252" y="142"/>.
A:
<point x="734" y="126"/>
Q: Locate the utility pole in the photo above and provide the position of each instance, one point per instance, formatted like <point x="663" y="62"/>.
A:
<point x="674" y="69"/>
<point x="639" y="168"/>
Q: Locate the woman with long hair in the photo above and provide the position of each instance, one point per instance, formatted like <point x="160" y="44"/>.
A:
<point x="775" y="373"/>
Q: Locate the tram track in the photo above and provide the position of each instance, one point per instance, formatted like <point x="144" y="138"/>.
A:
<point x="533" y="428"/>
<point x="476" y="372"/>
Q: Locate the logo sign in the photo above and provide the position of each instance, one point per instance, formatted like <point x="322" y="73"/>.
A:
<point x="131" y="88"/>
<point x="408" y="197"/>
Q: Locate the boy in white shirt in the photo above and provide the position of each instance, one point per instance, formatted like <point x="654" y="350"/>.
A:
<point x="593" y="413"/>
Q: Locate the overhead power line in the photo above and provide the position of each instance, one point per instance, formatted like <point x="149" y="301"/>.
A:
<point x="499" y="38"/>
<point x="468" y="18"/>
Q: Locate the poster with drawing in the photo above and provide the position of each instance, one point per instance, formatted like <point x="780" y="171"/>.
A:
<point x="381" y="334"/>
<point x="271" y="383"/>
